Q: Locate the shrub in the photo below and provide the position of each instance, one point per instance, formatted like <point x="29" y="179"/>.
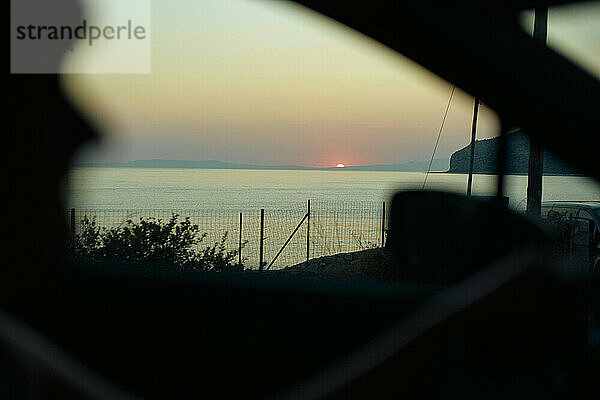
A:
<point x="152" y="241"/>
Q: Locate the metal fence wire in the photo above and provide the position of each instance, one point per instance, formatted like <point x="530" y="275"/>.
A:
<point x="335" y="227"/>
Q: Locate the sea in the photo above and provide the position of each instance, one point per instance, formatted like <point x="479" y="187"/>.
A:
<point x="233" y="189"/>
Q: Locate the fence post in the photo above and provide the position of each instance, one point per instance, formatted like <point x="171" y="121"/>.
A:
<point x="240" y="243"/>
<point x="72" y="227"/>
<point x="308" y="232"/>
<point x="262" y="237"/>
<point x="383" y="226"/>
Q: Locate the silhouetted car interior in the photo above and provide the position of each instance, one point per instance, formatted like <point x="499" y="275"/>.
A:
<point x="503" y="321"/>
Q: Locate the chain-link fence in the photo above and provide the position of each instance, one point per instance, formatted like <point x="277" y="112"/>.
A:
<point x="331" y="227"/>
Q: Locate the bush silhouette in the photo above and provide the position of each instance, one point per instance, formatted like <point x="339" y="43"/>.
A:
<point x="154" y="242"/>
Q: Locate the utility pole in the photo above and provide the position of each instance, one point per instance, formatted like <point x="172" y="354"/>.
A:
<point x="536" y="151"/>
<point x="240" y="244"/>
<point x="308" y="232"/>
<point x="473" y="134"/>
<point x="261" y="263"/>
<point x="383" y="226"/>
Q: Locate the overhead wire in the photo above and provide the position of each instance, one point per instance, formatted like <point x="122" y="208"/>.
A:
<point x="438" y="136"/>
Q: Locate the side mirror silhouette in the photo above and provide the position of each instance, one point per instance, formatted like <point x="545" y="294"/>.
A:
<point x="439" y="236"/>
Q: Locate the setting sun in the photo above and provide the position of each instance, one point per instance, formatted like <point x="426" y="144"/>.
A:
<point x="340" y="165"/>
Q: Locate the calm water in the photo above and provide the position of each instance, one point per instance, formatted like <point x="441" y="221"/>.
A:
<point x="134" y="188"/>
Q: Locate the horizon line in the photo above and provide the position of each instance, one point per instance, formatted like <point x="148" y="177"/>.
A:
<point x="273" y="166"/>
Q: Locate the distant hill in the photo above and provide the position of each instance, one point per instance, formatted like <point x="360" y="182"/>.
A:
<point x="207" y="164"/>
<point x="484" y="161"/>
<point x="438" y="165"/>
<point x="411" y="166"/>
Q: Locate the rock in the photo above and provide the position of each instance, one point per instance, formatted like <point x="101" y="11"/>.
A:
<point x="517" y="153"/>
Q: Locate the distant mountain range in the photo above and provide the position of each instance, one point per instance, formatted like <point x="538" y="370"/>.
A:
<point x="484" y="160"/>
<point x="440" y="165"/>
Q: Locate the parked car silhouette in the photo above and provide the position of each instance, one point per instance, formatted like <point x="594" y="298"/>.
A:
<point x="584" y="211"/>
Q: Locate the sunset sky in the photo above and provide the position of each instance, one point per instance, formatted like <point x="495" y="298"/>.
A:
<point x="266" y="82"/>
